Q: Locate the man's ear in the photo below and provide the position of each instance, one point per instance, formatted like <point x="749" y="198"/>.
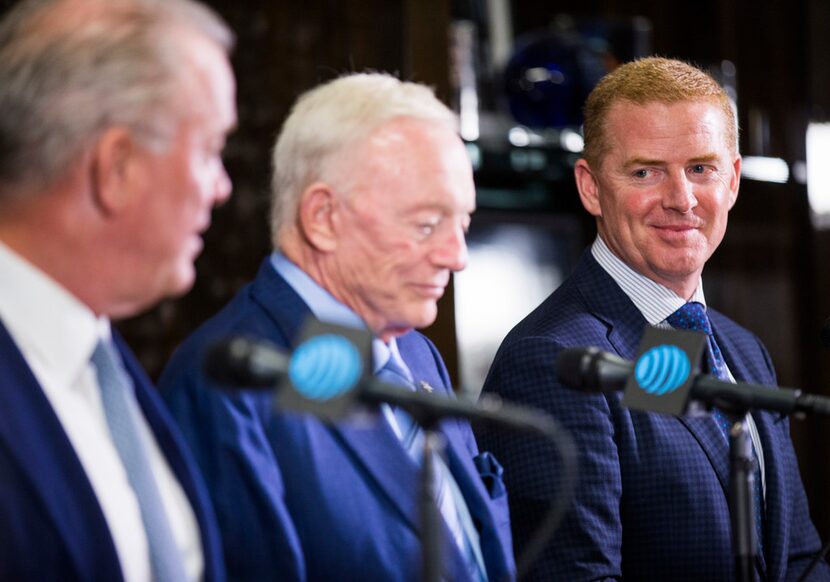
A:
<point x="110" y="170"/>
<point x="317" y="208"/>
<point x="735" y="182"/>
<point x="588" y="187"/>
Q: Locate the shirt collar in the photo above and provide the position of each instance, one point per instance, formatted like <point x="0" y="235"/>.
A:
<point x="55" y="331"/>
<point x="652" y="299"/>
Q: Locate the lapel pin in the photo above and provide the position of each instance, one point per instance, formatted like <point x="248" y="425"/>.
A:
<point x="426" y="387"/>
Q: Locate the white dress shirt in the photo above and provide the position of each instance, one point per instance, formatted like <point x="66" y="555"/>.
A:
<point x="57" y="334"/>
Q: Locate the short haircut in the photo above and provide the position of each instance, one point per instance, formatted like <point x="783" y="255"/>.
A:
<point x="651" y="80"/>
<point x="330" y="120"/>
<point x="69" y="69"/>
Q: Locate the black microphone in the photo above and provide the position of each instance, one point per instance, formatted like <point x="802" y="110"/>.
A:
<point x="324" y="376"/>
<point x="593" y="370"/>
<point x="240" y="361"/>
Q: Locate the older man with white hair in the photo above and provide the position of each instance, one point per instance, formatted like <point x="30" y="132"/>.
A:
<point x="373" y="193"/>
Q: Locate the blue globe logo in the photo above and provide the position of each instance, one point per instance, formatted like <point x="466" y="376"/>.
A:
<point x="662" y="369"/>
<point x="325" y="367"/>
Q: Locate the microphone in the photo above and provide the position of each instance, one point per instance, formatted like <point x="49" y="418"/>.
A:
<point x="592" y="370"/>
<point x="325" y="376"/>
<point x="240" y="361"/>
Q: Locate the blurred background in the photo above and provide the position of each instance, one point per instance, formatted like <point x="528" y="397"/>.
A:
<point x="517" y="72"/>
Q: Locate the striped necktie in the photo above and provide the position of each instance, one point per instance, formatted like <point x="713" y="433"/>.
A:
<point x="692" y="316"/>
<point x="123" y="413"/>
<point x="412" y="438"/>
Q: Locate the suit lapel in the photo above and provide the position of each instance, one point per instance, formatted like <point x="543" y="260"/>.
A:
<point x="626" y="324"/>
<point x="607" y="302"/>
<point x="378" y="451"/>
<point x="34" y="437"/>
<point x="285" y="309"/>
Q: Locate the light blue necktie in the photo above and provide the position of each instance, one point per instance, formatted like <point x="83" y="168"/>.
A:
<point x="692" y="316"/>
<point x="412" y="439"/>
<point x="123" y="413"/>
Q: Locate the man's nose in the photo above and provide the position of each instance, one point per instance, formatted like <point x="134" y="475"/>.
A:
<point x="223" y="186"/>
<point x="679" y="193"/>
<point x="450" y="250"/>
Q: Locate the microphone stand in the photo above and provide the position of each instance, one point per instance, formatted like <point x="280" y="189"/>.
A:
<point x="741" y="506"/>
<point x="490" y="411"/>
<point x="431" y="533"/>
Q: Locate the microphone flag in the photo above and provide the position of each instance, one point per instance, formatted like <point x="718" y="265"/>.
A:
<point x="328" y="366"/>
<point x="664" y="372"/>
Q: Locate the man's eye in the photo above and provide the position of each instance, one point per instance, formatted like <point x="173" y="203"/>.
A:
<point x="641" y="173"/>
<point x="426" y="229"/>
<point x="698" y="169"/>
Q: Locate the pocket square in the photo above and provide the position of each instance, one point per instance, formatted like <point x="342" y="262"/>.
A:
<point x="490" y="471"/>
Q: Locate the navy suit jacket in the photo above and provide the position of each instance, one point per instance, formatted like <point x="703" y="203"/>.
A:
<point x="51" y="524"/>
<point x="298" y="498"/>
<point x="652" y="501"/>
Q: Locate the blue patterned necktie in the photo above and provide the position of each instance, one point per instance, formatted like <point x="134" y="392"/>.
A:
<point x="412" y="439"/>
<point x="692" y="316"/>
<point x="122" y="412"/>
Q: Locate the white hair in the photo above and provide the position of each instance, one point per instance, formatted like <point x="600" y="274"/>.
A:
<point x="72" y="68"/>
<point x="329" y="120"/>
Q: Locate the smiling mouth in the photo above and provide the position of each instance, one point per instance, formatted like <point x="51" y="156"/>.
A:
<point x="676" y="227"/>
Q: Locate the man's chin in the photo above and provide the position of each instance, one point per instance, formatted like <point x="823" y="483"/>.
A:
<point x="179" y="284"/>
<point x="425" y="318"/>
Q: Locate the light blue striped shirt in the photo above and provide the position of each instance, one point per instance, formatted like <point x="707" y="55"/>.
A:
<point x="654" y="301"/>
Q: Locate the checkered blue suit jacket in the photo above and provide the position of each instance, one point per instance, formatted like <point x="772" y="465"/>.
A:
<point x="652" y="500"/>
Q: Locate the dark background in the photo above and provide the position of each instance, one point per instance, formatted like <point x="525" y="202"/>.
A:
<point x="769" y="274"/>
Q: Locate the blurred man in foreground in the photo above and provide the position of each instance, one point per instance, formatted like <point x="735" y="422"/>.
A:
<point x="372" y="195"/>
<point x="660" y="173"/>
<point x="114" y="114"/>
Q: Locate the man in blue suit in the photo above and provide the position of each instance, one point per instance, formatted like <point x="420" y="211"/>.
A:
<point x="114" y="115"/>
<point x="373" y="193"/>
<point x="660" y="173"/>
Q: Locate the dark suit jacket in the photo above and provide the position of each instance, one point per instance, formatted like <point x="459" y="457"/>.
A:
<point x="652" y="501"/>
<point x="51" y="524"/>
<point x="296" y="497"/>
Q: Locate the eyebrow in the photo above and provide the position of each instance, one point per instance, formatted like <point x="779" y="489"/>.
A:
<point x="650" y="162"/>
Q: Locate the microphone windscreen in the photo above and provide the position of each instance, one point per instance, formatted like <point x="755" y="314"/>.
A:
<point x="244" y="362"/>
<point x="576" y="368"/>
